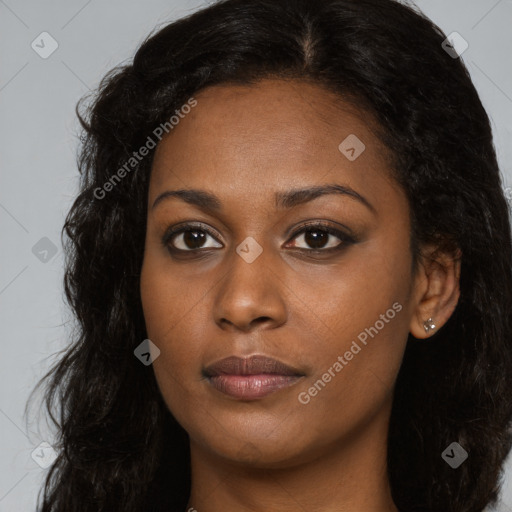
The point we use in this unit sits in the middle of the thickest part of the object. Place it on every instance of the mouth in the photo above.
(251, 378)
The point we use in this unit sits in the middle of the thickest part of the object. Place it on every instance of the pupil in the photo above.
(316, 239)
(194, 239)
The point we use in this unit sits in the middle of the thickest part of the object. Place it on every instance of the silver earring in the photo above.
(429, 325)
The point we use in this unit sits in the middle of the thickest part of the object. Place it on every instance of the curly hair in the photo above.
(119, 447)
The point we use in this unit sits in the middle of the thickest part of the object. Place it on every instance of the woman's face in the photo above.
(254, 276)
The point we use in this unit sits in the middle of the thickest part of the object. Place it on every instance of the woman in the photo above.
(290, 261)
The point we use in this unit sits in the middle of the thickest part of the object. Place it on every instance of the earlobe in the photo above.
(437, 293)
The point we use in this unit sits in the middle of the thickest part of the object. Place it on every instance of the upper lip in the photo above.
(253, 365)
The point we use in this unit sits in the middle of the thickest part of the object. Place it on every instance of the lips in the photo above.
(254, 365)
(250, 378)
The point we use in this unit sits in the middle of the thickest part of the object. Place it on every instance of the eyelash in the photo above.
(345, 239)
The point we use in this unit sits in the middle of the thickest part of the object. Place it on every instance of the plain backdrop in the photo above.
(38, 143)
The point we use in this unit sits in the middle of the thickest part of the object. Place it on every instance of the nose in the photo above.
(250, 295)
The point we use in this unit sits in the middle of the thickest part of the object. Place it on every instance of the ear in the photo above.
(436, 290)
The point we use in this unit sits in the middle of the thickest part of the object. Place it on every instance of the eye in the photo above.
(190, 238)
(320, 237)
(313, 237)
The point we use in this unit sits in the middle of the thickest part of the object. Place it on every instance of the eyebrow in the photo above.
(208, 201)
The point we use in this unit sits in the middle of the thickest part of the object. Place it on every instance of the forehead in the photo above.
(249, 141)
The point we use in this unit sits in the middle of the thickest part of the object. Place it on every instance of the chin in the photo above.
(259, 454)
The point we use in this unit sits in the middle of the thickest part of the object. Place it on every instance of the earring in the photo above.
(429, 324)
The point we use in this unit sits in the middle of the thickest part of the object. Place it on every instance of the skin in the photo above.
(244, 144)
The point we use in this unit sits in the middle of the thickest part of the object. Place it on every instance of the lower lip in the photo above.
(251, 387)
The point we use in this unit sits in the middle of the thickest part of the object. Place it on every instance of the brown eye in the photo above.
(190, 239)
(319, 238)
(316, 239)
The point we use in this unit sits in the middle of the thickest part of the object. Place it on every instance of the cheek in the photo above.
(355, 362)
(344, 299)
(358, 344)
(168, 299)
(360, 334)
(175, 317)
(165, 309)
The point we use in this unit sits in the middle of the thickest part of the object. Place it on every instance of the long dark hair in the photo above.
(119, 447)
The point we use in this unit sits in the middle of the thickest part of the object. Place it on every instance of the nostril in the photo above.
(248, 327)
(261, 320)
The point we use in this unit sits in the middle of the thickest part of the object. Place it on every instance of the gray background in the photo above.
(39, 178)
